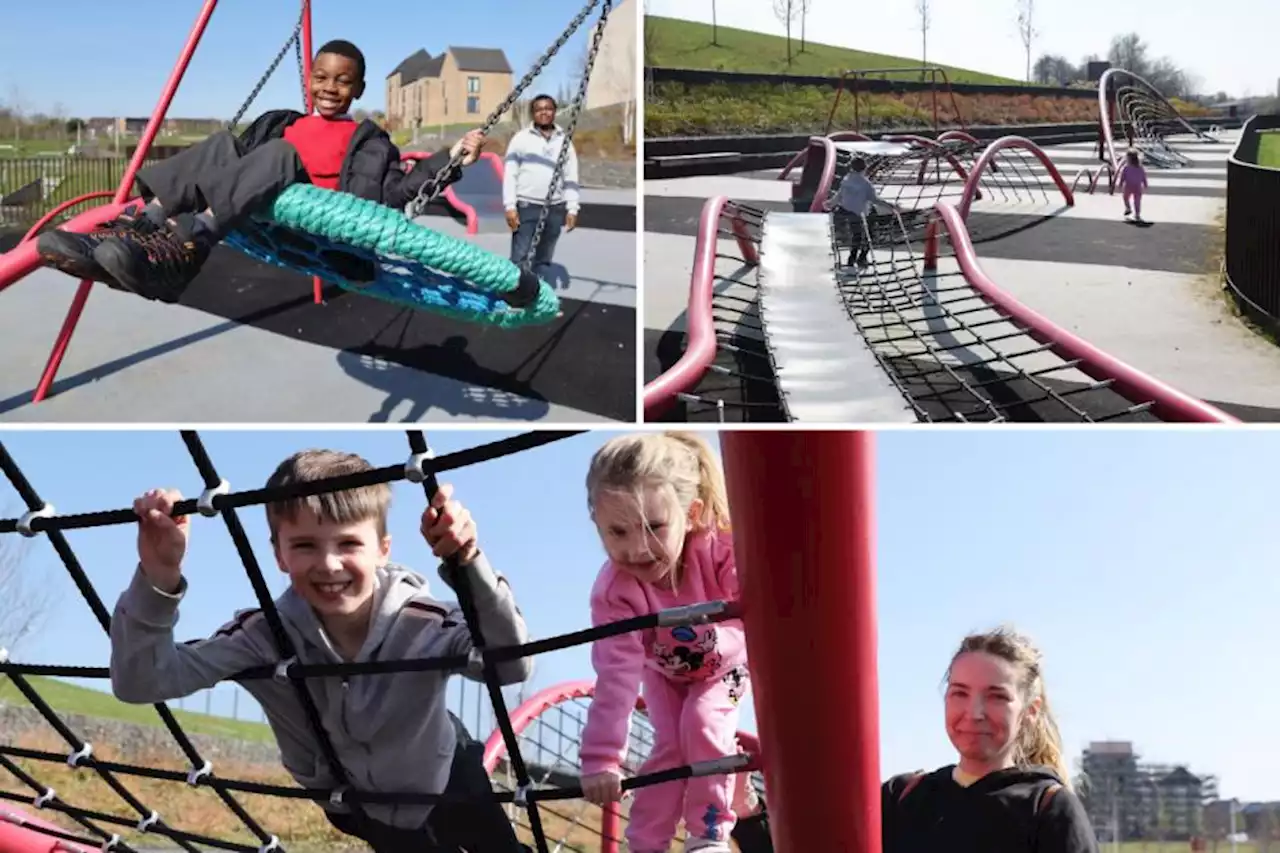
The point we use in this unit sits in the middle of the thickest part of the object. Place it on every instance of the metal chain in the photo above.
(431, 190)
(295, 38)
(579, 102)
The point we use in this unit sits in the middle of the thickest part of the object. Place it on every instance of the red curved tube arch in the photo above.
(660, 394)
(935, 145)
(17, 836)
(802, 155)
(947, 135)
(468, 211)
(975, 177)
(1170, 404)
(1104, 111)
(522, 716)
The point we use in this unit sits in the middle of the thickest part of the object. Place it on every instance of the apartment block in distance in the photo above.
(1128, 800)
(460, 86)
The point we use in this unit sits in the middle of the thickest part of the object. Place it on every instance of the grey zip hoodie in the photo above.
(391, 732)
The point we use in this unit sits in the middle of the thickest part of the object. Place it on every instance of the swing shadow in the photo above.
(102, 371)
(469, 389)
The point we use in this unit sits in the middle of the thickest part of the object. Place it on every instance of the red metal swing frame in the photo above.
(24, 259)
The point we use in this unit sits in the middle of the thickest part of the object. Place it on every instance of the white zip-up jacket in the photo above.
(530, 162)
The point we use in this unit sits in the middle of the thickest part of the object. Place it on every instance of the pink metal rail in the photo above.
(1169, 404)
(971, 187)
(660, 394)
(468, 211)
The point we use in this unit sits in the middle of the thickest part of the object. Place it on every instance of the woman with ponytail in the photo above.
(1010, 789)
(658, 502)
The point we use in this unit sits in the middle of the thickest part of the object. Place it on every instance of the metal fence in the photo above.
(1252, 265)
(31, 187)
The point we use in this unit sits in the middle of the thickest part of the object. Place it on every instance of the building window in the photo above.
(473, 105)
(473, 85)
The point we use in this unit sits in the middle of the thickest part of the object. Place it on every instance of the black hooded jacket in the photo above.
(1003, 812)
(371, 168)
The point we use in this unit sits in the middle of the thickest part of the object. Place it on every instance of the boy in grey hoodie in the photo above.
(346, 603)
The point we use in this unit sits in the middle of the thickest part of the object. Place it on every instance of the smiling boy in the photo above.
(197, 197)
(345, 603)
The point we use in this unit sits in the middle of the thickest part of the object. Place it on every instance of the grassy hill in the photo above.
(67, 698)
(672, 43)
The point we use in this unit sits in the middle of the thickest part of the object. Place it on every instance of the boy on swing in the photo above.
(198, 196)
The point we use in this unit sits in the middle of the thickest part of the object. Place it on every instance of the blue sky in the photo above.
(1142, 563)
(1227, 44)
(97, 60)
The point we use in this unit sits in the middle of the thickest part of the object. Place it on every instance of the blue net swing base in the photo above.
(375, 251)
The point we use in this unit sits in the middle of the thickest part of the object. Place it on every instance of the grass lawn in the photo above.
(70, 699)
(671, 43)
(1269, 150)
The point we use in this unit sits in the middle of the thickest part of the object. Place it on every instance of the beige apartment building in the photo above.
(613, 78)
(461, 85)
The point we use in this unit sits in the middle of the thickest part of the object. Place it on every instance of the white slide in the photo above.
(825, 371)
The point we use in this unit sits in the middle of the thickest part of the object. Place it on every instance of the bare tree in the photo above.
(17, 108)
(27, 598)
(786, 11)
(1026, 29)
(922, 9)
(804, 5)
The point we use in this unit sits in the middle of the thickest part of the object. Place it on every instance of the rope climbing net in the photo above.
(101, 829)
(1148, 119)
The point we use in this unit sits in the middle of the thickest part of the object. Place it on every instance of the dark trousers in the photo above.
(219, 174)
(855, 229)
(752, 834)
(522, 238)
(477, 827)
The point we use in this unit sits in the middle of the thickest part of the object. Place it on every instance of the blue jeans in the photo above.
(523, 236)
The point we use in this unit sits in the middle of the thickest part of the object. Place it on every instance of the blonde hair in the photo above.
(680, 464)
(348, 506)
(1039, 742)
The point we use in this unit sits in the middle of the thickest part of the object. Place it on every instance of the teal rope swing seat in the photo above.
(376, 251)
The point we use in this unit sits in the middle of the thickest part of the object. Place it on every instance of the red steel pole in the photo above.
(122, 192)
(803, 532)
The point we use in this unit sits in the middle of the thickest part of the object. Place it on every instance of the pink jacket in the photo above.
(683, 654)
(1131, 177)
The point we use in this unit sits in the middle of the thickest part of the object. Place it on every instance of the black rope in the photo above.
(63, 548)
(710, 767)
(284, 646)
(710, 612)
(254, 497)
(48, 795)
(461, 584)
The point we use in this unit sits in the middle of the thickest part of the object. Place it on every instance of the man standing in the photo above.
(530, 164)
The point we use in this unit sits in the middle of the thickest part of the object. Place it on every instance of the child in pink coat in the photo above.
(659, 504)
(1132, 180)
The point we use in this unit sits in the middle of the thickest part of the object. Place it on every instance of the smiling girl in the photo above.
(1010, 789)
(658, 501)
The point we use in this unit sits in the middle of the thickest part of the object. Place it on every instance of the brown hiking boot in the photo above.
(72, 253)
(158, 265)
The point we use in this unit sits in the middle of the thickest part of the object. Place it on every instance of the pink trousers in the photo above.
(1133, 200)
(691, 722)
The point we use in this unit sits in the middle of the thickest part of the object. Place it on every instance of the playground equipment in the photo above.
(898, 340)
(784, 584)
(1149, 119)
(355, 243)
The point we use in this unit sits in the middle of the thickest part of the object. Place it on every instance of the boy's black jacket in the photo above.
(371, 168)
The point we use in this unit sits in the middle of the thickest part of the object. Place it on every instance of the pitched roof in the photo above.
(417, 66)
(482, 59)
